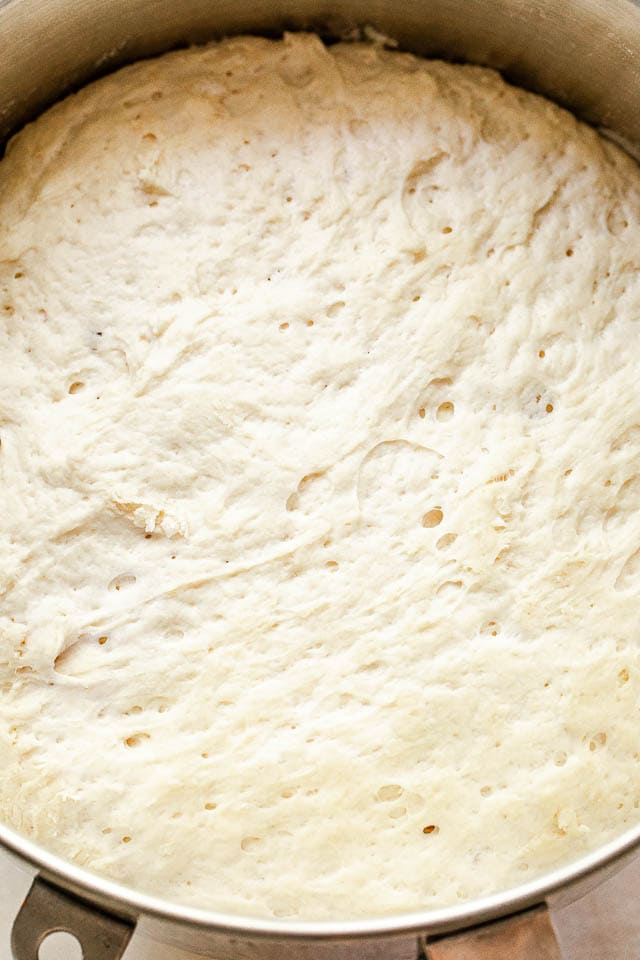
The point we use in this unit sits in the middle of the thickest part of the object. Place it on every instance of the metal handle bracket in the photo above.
(46, 909)
(525, 936)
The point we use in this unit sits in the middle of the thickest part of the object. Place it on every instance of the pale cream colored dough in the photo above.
(320, 472)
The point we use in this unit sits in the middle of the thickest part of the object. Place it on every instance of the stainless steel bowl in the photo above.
(583, 53)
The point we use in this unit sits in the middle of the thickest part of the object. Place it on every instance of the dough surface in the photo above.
(320, 469)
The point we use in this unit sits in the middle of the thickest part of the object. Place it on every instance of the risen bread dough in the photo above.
(320, 468)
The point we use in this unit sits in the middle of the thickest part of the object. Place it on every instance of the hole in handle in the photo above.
(60, 946)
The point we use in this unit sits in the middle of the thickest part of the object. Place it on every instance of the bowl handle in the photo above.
(524, 936)
(46, 909)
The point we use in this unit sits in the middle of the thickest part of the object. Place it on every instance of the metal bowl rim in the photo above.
(125, 901)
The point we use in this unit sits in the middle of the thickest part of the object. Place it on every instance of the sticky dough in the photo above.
(320, 472)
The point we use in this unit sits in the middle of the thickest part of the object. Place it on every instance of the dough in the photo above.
(320, 463)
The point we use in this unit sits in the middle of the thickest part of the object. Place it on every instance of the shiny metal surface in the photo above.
(583, 53)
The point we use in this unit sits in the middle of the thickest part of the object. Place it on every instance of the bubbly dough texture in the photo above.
(320, 470)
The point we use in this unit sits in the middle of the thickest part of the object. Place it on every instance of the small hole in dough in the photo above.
(446, 540)
(445, 411)
(250, 843)
(122, 582)
(136, 739)
(432, 518)
(334, 309)
(390, 791)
